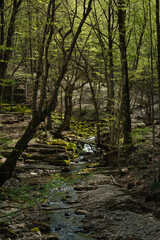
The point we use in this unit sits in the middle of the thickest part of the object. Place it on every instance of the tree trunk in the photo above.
(2, 25)
(68, 104)
(95, 107)
(80, 102)
(6, 170)
(68, 111)
(5, 54)
(152, 95)
(49, 122)
(158, 62)
(110, 44)
(111, 76)
(124, 72)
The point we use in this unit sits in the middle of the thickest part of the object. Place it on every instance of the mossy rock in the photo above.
(55, 162)
(46, 158)
(60, 143)
(43, 227)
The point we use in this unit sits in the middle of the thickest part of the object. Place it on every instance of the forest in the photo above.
(79, 119)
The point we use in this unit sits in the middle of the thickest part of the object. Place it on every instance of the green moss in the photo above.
(67, 162)
(5, 143)
(59, 162)
(72, 146)
(139, 134)
(12, 232)
(15, 108)
(84, 129)
(56, 119)
(36, 229)
(68, 146)
(58, 142)
(27, 155)
(92, 165)
(21, 158)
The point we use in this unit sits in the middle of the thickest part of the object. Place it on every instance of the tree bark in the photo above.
(124, 74)
(5, 54)
(111, 76)
(68, 110)
(110, 44)
(95, 104)
(6, 170)
(2, 25)
(152, 93)
(158, 60)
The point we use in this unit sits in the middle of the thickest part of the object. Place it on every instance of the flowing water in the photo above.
(64, 221)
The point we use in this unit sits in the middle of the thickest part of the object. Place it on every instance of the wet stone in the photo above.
(81, 212)
(52, 237)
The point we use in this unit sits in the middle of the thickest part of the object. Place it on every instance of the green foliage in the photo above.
(6, 82)
(15, 108)
(4, 142)
(29, 195)
(139, 134)
(3, 47)
(84, 129)
(56, 119)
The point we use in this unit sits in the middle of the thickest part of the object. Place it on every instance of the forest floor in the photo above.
(113, 206)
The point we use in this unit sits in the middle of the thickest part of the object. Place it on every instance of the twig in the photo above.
(115, 183)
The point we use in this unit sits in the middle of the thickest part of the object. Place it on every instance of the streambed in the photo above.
(65, 222)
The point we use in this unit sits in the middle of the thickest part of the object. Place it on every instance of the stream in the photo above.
(66, 224)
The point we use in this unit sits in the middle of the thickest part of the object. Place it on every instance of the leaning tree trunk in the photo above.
(6, 170)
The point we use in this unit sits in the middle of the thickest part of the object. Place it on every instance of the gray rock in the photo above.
(81, 212)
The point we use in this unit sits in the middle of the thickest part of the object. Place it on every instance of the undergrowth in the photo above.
(29, 195)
